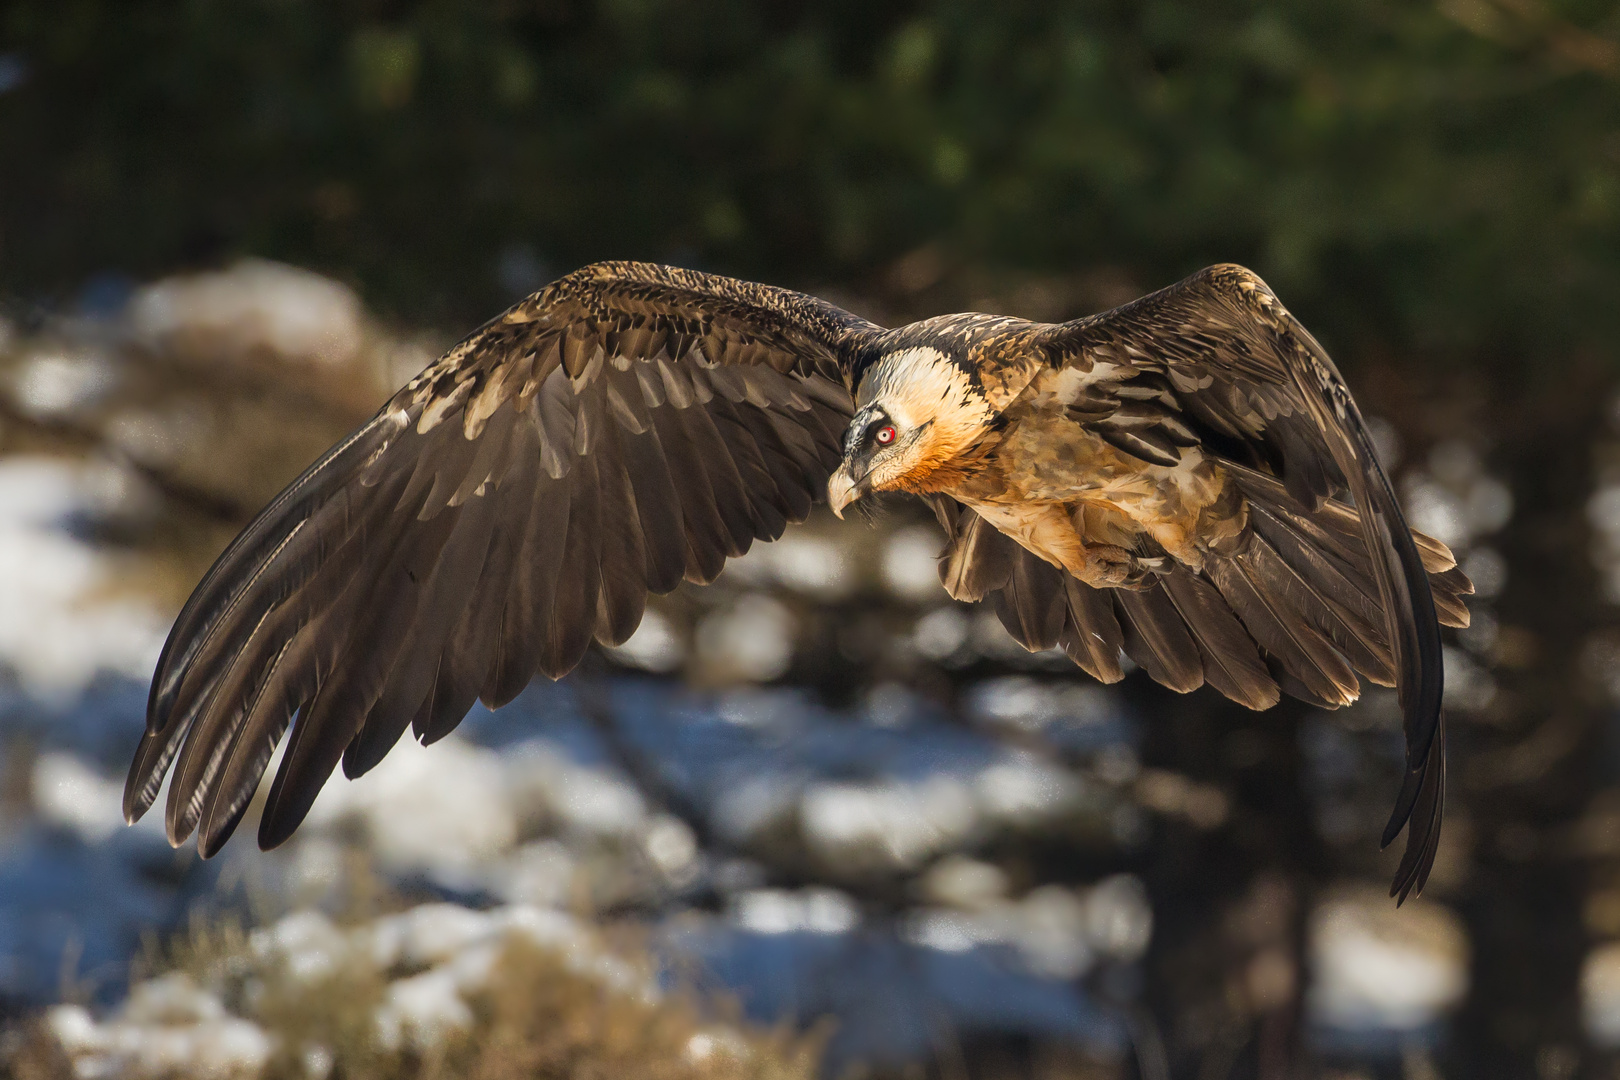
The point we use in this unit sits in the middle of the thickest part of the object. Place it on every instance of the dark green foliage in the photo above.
(1441, 176)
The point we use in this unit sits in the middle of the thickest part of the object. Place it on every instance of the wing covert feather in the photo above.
(627, 426)
(1270, 400)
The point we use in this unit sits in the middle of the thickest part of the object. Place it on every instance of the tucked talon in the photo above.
(1108, 567)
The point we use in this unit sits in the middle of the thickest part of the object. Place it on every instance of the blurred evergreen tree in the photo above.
(1441, 176)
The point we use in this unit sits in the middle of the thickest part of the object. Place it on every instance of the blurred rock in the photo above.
(911, 563)
(886, 823)
(779, 911)
(749, 641)
(672, 847)
(1119, 918)
(961, 882)
(1378, 969)
(167, 1027)
(802, 561)
(443, 811)
(422, 1010)
(64, 620)
(890, 998)
(254, 308)
(655, 646)
(1600, 995)
(1023, 790)
(306, 944)
(583, 798)
(942, 635)
(544, 873)
(53, 384)
(1056, 932)
(70, 793)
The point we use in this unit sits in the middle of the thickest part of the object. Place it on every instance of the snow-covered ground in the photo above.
(814, 861)
(528, 806)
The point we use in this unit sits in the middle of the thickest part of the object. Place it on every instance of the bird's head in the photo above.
(916, 412)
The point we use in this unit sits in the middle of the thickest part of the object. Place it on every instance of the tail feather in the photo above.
(1091, 635)
(1156, 638)
(1299, 605)
(1449, 608)
(978, 559)
(1401, 563)
(1437, 557)
(1032, 606)
(1258, 594)
(1361, 644)
(1424, 839)
(1232, 664)
(1338, 583)
(1328, 547)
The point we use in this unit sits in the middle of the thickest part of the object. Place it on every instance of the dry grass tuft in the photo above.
(30, 1053)
(539, 1014)
(538, 1019)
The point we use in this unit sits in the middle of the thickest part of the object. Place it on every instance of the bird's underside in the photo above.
(1184, 480)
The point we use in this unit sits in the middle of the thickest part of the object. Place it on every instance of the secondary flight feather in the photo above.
(1185, 479)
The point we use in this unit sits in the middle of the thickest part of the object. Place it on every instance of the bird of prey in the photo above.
(1184, 479)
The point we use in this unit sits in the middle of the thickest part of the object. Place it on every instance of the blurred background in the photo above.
(816, 819)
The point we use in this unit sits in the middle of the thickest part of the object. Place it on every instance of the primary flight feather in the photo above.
(1185, 478)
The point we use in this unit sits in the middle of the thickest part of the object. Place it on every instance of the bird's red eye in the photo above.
(886, 435)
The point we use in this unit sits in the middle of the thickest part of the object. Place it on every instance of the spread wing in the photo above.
(1218, 363)
(627, 427)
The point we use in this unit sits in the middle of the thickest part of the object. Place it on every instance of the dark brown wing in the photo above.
(627, 427)
(1216, 361)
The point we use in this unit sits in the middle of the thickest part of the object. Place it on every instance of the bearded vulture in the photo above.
(1185, 480)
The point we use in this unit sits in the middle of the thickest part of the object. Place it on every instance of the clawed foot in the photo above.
(1109, 567)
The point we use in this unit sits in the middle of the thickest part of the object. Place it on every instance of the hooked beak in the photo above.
(843, 489)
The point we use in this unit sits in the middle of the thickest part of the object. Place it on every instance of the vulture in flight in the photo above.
(1184, 479)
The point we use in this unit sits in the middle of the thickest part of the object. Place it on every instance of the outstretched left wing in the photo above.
(628, 426)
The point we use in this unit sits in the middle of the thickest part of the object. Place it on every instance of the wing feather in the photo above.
(1157, 638)
(1270, 400)
(708, 541)
(658, 509)
(786, 473)
(1031, 605)
(350, 671)
(627, 426)
(1091, 636)
(456, 590)
(509, 560)
(571, 622)
(1232, 663)
(978, 559)
(623, 552)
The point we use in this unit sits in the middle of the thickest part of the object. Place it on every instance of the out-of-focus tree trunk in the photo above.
(1525, 778)
(1230, 891)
